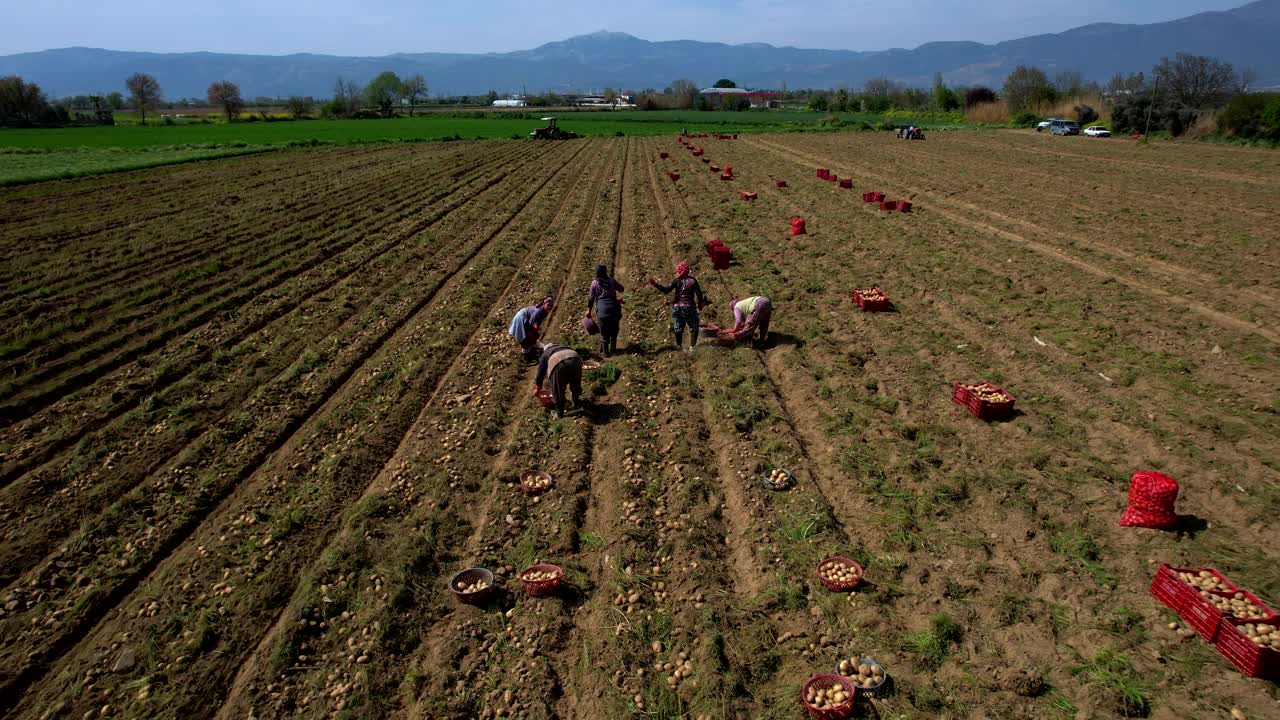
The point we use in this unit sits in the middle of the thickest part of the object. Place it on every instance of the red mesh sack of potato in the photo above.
(1151, 500)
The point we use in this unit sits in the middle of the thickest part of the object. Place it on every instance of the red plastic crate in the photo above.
(726, 176)
(846, 184)
(715, 168)
(984, 409)
(1185, 600)
(674, 176)
(663, 155)
(711, 245)
(833, 178)
(706, 160)
(720, 257)
(872, 196)
(904, 206)
(1250, 659)
(747, 195)
(867, 305)
(822, 173)
(781, 183)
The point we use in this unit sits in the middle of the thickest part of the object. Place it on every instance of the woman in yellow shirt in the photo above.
(751, 316)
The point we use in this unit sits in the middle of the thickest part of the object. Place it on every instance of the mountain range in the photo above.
(1247, 37)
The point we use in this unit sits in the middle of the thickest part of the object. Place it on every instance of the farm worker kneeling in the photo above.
(750, 316)
(685, 304)
(604, 297)
(563, 368)
(526, 327)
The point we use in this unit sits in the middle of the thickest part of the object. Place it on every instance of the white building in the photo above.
(513, 101)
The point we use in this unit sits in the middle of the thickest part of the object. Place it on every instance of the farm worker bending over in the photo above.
(563, 366)
(686, 303)
(526, 327)
(751, 316)
(604, 297)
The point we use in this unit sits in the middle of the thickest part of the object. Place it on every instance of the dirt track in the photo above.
(256, 412)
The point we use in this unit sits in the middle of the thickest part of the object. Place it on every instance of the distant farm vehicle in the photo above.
(551, 132)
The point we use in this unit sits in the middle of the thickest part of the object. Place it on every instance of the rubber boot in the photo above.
(693, 338)
(679, 340)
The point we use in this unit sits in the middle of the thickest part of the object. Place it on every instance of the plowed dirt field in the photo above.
(256, 412)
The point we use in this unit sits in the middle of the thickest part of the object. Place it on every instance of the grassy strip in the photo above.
(20, 168)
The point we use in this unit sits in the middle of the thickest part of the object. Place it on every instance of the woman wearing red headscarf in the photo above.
(685, 304)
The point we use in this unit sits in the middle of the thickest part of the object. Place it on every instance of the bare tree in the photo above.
(880, 87)
(226, 94)
(346, 97)
(611, 96)
(299, 106)
(1248, 77)
(414, 88)
(1068, 83)
(144, 93)
(684, 92)
(1026, 86)
(1196, 81)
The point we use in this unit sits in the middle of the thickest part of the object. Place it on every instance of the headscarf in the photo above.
(547, 301)
(602, 272)
(682, 269)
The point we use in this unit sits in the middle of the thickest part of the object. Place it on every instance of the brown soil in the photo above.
(258, 411)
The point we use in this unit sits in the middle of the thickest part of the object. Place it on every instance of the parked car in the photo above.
(1064, 127)
(1097, 131)
(1044, 125)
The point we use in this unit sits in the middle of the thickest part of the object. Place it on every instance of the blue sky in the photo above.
(381, 27)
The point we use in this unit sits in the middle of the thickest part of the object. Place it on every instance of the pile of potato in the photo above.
(540, 575)
(1262, 635)
(988, 392)
(465, 587)
(1237, 605)
(779, 477)
(536, 481)
(827, 698)
(839, 571)
(864, 675)
(1204, 580)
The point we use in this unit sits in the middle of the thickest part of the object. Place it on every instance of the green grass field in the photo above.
(28, 155)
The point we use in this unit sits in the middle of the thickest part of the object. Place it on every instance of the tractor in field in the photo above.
(551, 132)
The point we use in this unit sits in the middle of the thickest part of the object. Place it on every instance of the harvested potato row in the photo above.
(988, 392)
(1262, 634)
(1238, 605)
(477, 586)
(864, 675)
(1204, 580)
(838, 571)
(827, 698)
